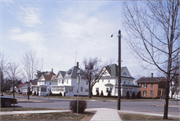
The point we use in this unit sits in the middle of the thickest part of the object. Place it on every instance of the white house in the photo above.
(67, 83)
(44, 83)
(109, 82)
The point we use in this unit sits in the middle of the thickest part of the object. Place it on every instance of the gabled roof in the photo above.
(48, 76)
(113, 70)
(21, 85)
(151, 79)
(62, 73)
(72, 72)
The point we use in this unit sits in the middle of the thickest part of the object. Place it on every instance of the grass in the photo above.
(86, 116)
(3, 109)
(137, 117)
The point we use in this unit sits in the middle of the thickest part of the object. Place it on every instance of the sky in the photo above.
(64, 32)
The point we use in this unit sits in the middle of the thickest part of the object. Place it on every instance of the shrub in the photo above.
(81, 107)
(127, 95)
(30, 92)
(133, 95)
(97, 93)
(37, 93)
(109, 94)
(34, 92)
(60, 94)
(139, 95)
(102, 93)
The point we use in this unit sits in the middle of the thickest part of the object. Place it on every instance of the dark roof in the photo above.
(21, 85)
(34, 82)
(72, 72)
(113, 70)
(151, 79)
(62, 73)
(109, 84)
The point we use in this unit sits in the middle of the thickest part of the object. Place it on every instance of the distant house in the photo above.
(23, 88)
(67, 83)
(109, 82)
(44, 83)
(152, 87)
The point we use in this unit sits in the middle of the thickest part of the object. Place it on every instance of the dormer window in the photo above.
(69, 71)
(62, 81)
(125, 73)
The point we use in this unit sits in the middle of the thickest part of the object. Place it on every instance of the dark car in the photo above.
(7, 101)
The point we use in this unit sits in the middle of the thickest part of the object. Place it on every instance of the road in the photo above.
(141, 106)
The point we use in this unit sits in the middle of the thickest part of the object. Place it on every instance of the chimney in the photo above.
(52, 70)
(77, 64)
(151, 75)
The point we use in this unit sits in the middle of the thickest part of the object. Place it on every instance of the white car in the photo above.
(177, 97)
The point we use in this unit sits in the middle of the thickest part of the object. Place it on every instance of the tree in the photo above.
(92, 71)
(175, 79)
(3, 64)
(153, 31)
(39, 73)
(139, 95)
(127, 95)
(13, 74)
(133, 95)
(30, 65)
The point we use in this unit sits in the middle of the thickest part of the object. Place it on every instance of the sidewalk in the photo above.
(104, 114)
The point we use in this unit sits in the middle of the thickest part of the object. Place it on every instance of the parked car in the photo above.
(177, 98)
(7, 101)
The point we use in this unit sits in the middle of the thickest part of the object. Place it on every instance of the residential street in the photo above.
(141, 106)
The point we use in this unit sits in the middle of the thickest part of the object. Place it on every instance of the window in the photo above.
(71, 90)
(81, 89)
(139, 84)
(102, 80)
(67, 81)
(107, 89)
(151, 93)
(86, 90)
(145, 85)
(62, 81)
(151, 85)
(59, 81)
(97, 89)
(144, 93)
(108, 80)
(86, 82)
(110, 89)
(124, 82)
(125, 73)
(43, 89)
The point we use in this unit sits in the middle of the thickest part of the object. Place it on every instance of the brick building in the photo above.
(152, 87)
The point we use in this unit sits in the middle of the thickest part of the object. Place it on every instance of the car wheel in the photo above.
(7, 103)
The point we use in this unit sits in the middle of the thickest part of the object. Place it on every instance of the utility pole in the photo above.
(119, 74)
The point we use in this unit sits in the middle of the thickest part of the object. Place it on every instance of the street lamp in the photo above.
(78, 81)
(119, 67)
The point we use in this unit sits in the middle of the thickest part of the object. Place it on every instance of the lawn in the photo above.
(25, 109)
(137, 117)
(86, 116)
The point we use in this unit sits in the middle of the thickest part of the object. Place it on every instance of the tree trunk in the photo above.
(166, 100)
(90, 91)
